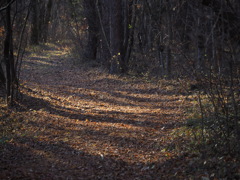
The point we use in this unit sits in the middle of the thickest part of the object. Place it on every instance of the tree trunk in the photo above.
(34, 25)
(103, 10)
(170, 39)
(93, 30)
(129, 27)
(8, 61)
(116, 35)
(47, 20)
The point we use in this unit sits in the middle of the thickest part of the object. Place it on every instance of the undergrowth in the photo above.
(211, 130)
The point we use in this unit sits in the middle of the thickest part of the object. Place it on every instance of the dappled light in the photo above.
(82, 113)
(119, 89)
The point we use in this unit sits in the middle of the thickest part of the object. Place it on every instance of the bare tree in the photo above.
(7, 63)
(90, 13)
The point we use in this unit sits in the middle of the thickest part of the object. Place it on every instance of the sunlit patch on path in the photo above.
(81, 123)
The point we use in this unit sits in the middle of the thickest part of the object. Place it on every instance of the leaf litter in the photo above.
(82, 123)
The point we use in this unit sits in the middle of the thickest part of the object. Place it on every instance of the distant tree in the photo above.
(41, 16)
(116, 22)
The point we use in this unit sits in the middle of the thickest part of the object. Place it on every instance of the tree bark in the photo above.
(35, 23)
(129, 26)
(47, 20)
(103, 11)
(170, 39)
(8, 60)
(116, 35)
(90, 13)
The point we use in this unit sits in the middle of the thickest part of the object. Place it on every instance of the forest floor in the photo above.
(78, 122)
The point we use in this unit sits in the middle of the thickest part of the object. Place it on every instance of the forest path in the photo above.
(81, 123)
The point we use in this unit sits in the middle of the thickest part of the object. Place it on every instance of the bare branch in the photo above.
(5, 7)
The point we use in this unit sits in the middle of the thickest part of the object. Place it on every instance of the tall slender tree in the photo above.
(90, 13)
(7, 64)
(35, 23)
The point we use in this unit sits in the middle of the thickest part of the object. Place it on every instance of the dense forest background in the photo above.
(195, 43)
(165, 39)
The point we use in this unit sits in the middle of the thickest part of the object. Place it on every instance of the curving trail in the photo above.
(78, 122)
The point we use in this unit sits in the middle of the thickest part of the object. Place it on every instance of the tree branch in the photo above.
(102, 28)
(3, 8)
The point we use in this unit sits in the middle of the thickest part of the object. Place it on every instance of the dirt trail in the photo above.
(80, 123)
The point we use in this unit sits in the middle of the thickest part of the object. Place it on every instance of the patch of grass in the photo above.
(208, 131)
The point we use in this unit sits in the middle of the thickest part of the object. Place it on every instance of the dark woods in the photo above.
(7, 71)
(157, 37)
(147, 37)
(15, 27)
